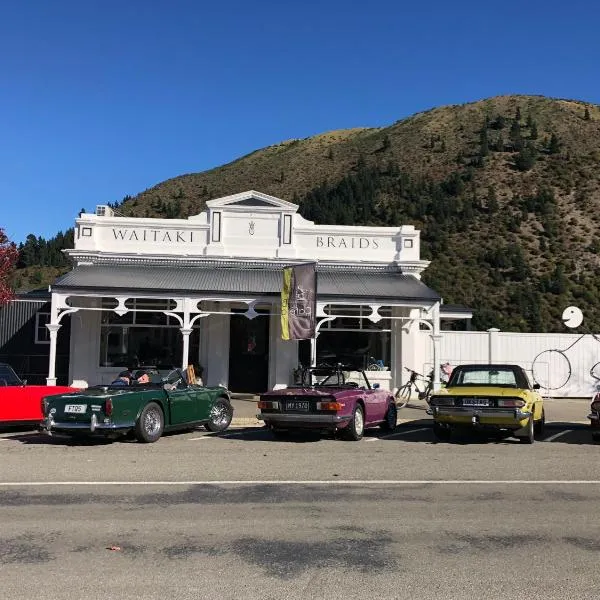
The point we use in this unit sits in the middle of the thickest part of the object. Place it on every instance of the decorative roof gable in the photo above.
(252, 199)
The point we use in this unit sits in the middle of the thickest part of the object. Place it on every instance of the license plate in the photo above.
(302, 405)
(76, 408)
(476, 402)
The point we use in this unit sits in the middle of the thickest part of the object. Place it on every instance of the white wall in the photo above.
(561, 374)
(85, 348)
(283, 354)
(214, 347)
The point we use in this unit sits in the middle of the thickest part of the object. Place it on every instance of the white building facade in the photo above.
(206, 291)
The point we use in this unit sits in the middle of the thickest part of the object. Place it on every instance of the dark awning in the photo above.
(240, 282)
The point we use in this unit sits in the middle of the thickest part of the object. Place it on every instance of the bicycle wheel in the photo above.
(424, 395)
(403, 395)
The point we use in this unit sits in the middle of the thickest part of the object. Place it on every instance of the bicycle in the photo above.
(404, 392)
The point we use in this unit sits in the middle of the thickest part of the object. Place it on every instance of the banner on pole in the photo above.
(299, 302)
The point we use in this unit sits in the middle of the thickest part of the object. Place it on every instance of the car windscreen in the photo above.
(8, 376)
(482, 376)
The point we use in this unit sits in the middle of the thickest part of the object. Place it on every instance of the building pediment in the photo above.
(251, 200)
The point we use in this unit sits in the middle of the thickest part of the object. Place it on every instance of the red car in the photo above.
(327, 401)
(21, 404)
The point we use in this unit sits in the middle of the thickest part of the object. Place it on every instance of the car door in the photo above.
(182, 405)
(375, 405)
(17, 404)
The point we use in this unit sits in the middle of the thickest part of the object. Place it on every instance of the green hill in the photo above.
(506, 192)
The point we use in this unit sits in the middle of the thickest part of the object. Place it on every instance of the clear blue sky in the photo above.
(99, 99)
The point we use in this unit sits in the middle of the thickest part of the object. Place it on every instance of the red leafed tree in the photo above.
(8, 259)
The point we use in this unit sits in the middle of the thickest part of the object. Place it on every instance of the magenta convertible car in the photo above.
(327, 401)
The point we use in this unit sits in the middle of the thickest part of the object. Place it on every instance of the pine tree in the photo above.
(586, 114)
(483, 143)
(492, 200)
(518, 114)
(526, 158)
(533, 132)
(500, 143)
(554, 144)
(515, 135)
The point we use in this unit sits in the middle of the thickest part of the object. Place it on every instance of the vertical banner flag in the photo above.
(299, 302)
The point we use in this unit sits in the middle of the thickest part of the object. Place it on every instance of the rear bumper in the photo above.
(49, 425)
(493, 417)
(300, 420)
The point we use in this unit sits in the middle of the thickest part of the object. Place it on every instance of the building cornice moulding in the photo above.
(82, 258)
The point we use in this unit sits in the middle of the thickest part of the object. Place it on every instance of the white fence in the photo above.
(560, 363)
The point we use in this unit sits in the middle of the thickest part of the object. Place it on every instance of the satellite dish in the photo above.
(572, 317)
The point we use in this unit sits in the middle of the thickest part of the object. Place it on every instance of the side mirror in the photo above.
(375, 386)
(24, 382)
(536, 386)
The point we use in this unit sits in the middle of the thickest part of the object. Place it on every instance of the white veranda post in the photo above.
(437, 340)
(185, 332)
(53, 328)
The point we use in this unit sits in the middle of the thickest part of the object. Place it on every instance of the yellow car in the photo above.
(499, 398)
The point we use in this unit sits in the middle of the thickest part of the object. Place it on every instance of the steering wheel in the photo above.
(352, 384)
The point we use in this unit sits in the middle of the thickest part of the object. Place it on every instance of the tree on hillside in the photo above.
(8, 260)
(483, 143)
(492, 200)
(533, 132)
(554, 144)
(515, 136)
(586, 114)
(526, 157)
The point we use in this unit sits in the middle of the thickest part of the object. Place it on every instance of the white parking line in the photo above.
(557, 435)
(316, 482)
(198, 439)
(397, 433)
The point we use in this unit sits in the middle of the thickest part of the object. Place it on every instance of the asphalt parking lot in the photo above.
(202, 515)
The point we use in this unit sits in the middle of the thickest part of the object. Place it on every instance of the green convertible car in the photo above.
(146, 410)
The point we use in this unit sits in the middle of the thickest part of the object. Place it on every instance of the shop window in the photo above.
(352, 338)
(42, 335)
(144, 336)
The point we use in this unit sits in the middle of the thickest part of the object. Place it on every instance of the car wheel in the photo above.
(391, 418)
(596, 436)
(220, 416)
(150, 424)
(356, 427)
(442, 433)
(529, 437)
(540, 425)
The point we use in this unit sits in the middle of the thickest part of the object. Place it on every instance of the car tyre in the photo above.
(529, 437)
(540, 426)
(391, 418)
(150, 424)
(356, 427)
(442, 433)
(596, 436)
(221, 414)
